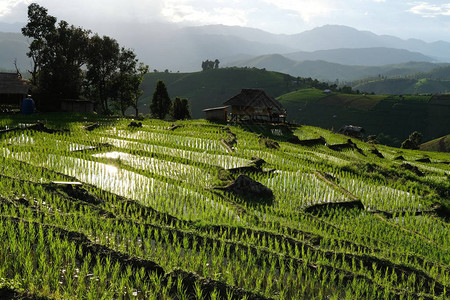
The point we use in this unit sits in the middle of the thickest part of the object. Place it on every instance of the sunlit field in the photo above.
(115, 212)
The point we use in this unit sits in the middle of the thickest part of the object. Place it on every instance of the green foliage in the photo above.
(180, 109)
(161, 103)
(69, 64)
(413, 142)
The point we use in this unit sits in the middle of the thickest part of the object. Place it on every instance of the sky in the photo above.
(426, 20)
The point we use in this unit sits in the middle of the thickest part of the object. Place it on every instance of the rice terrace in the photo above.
(92, 208)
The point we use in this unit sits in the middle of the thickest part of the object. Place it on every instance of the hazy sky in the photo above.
(427, 20)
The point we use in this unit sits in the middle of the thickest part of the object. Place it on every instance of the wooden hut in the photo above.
(13, 90)
(255, 105)
(216, 113)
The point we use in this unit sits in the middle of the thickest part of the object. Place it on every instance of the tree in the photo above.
(161, 104)
(209, 64)
(416, 138)
(180, 109)
(413, 142)
(137, 92)
(39, 27)
(69, 63)
(123, 80)
(58, 54)
(102, 64)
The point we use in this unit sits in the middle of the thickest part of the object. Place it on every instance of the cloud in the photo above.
(307, 10)
(428, 10)
(10, 7)
(202, 12)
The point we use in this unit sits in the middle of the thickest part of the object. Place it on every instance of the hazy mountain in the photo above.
(327, 71)
(336, 36)
(362, 57)
(13, 46)
(11, 27)
(167, 46)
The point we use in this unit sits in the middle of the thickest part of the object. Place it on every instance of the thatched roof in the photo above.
(254, 98)
(10, 83)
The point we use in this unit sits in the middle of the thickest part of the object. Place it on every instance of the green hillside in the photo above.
(431, 82)
(92, 208)
(441, 144)
(394, 117)
(212, 87)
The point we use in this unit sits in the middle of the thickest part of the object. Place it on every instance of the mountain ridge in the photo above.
(164, 46)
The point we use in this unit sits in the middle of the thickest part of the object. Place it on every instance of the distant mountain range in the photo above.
(331, 71)
(328, 53)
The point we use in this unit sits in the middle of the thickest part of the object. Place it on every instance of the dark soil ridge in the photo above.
(98, 148)
(322, 208)
(377, 153)
(7, 293)
(40, 127)
(310, 142)
(357, 204)
(349, 145)
(189, 279)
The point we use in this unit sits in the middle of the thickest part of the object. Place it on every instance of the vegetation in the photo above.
(180, 109)
(69, 63)
(413, 142)
(161, 103)
(434, 81)
(151, 219)
(391, 117)
(441, 144)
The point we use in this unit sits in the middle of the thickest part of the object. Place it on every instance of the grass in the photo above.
(148, 222)
(441, 144)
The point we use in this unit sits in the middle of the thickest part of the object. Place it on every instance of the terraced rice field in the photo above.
(116, 212)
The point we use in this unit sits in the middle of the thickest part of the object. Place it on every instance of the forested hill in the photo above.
(391, 117)
(433, 81)
(211, 88)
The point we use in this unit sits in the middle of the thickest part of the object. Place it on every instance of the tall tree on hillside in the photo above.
(58, 53)
(127, 81)
(102, 63)
(39, 28)
(69, 63)
(161, 104)
(122, 82)
(137, 92)
(180, 109)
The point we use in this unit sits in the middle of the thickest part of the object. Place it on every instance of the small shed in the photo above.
(216, 113)
(13, 89)
(77, 106)
(353, 131)
(255, 104)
